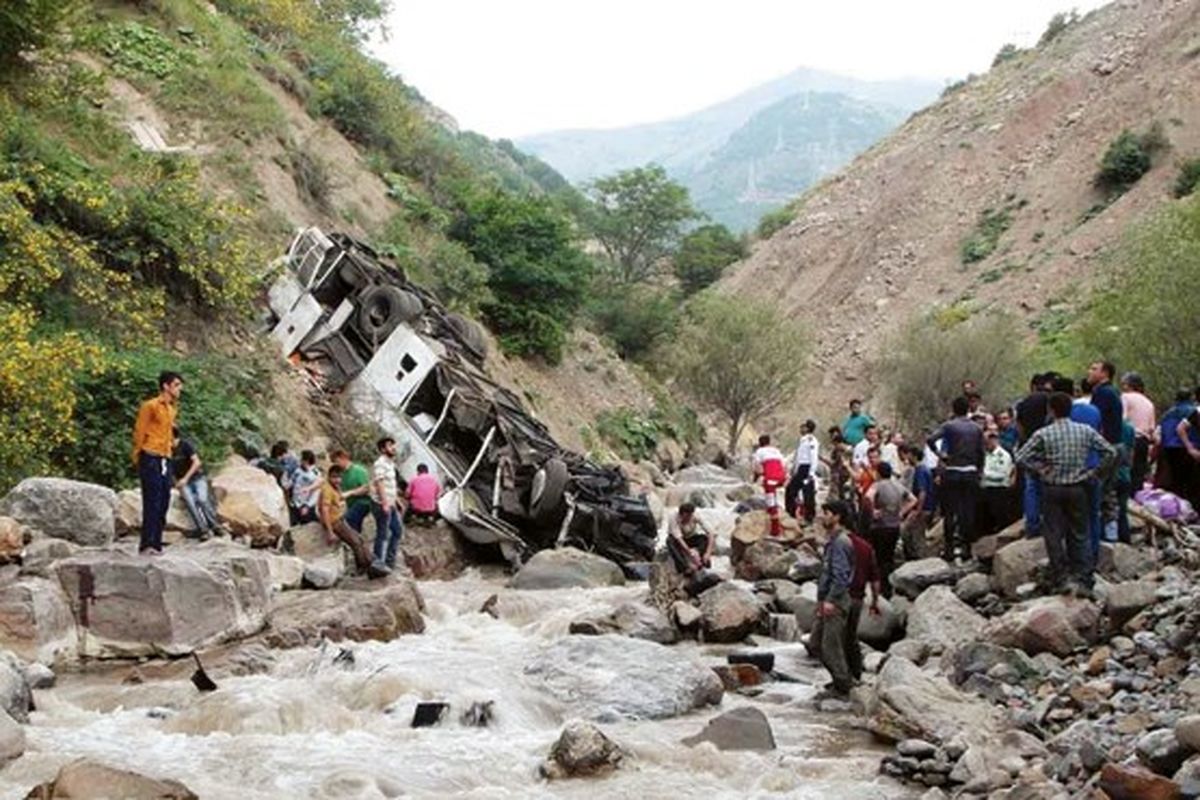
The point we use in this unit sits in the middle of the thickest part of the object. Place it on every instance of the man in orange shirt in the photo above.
(153, 440)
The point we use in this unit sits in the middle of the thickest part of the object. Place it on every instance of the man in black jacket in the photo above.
(961, 465)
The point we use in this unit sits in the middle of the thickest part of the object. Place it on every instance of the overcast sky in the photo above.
(507, 68)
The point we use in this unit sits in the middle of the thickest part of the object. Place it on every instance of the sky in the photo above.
(508, 68)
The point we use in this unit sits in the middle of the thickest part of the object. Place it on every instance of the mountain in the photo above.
(883, 241)
(686, 144)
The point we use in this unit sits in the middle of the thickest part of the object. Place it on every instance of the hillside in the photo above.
(881, 242)
(686, 145)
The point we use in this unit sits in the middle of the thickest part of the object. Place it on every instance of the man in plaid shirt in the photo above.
(1058, 454)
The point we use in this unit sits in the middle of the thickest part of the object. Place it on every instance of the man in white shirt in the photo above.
(768, 465)
(999, 502)
(386, 505)
(858, 458)
(804, 473)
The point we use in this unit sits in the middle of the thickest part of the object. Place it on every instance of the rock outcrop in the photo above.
(380, 614)
(739, 729)
(1055, 625)
(36, 621)
(567, 567)
(728, 613)
(940, 618)
(908, 703)
(89, 779)
(251, 504)
(83, 513)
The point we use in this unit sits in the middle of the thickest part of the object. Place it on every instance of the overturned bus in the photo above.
(355, 322)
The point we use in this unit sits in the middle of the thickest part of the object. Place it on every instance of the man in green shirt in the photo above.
(855, 426)
(354, 477)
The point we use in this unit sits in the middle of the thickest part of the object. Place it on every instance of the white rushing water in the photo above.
(311, 728)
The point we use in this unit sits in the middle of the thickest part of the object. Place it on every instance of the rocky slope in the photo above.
(880, 242)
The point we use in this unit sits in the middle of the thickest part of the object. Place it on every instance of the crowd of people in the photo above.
(339, 498)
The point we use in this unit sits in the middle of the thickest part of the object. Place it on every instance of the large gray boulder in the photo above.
(1123, 601)
(83, 513)
(567, 567)
(1017, 563)
(129, 513)
(128, 605)
(613, 677)
(739, 729)
(1124, 562)
(880, 630)
(908, 703)
(12, 739)
(941, 619)
(433, 551)
(379, 614)
(251, 504)
(16, 697)
(36, 621)
(771, 558)
(728, 613)
(1057, 625)
(84, 778)
(914, 577)
(637, 620)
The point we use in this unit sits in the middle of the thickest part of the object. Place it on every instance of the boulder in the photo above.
(914, 650)
(993, 763)
(251, 504)
(323, 573)
(941, 619)
(739, 729)
(567, 567)
(36, 621)
(685, 614)
(914, 577)
(1162, 751)
(1187, 731)
(972, 587)
(637, 620)
(755, 525)
(287, 572)
(12, 739)
(83, 513)
(1056, 624)
(90, 779)
(804, 606)
(1188, 777)
(1123, 562)
(980, 658)
(614, 677)
(1017, 563)
(771, 558)
(40, 676)
(985, 547)
(708, 475)
(175, 603)
(12, 540)
(880, 630)
(728, 613)
(40, 554)
(784, 594)
(379, 614)
(1124, 601)
(1127, 782)
(129, 513)
(433, 551)
(908, 703)
(582, 750)
(16, 696)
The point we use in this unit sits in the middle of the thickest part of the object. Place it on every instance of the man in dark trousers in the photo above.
(833, 594)
(153, 441)
(1033, 411)
(961, 464)
(803, 481)
(1058, 453)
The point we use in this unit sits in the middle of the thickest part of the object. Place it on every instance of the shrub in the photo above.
(1006, 53)
(1129, 157)
(774, 221)
(1188, 179)
(636, 319)
(311, 176)
(635, 435)
(986, 237)
(30, 25)
(1057, 26)
(134, 48)
(458, 280)
(703, 256)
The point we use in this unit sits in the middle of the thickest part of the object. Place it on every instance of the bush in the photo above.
(703, 256)
(134, 48)
(311, 176)
(1006, 53)
(635, 435)
(986, 237)
(635, 319)
(933, 355)
(774, 221)
(30, 25)
(1188, 179)
(1129, 157)
(1057, 26)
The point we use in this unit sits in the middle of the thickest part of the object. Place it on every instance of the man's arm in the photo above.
(932, 440)
(1030, 454)
(139, 431)
(1183, 429)
(1108, 453)
(193, 468)
(324, 513)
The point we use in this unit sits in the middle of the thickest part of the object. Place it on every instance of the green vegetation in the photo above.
(137, 49)
(1188, 179)
(635, 435)
(1129, 157)
(703, 256)
(773, 222)
(635, 319)
(986, 237)
(1006, 53)
(27, 25)
(725, 359)
(1057, 26)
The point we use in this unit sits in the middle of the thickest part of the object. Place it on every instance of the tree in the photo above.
(537, 276)
(638, 216)
(30, 25)
(636, 319)
(739, 357)
(932, 355)
(704, 254)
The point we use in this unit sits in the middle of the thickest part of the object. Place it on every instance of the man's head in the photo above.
(809, 426)
(885, 470)
(969, 388)
(835, 435)
(855, 406)
(973, 401)
(1062, 383)
(386, 446)
(873, 456)
(279, 449)
(1183, 396)
(308, 458)
(960, 406)
(1037, 381)
(1004, 419)
(170, 385)
(871, 434)
(422, 469)
(1060, 405)
(686, 510)
(764, 440)
(341, 458)
(897, 438)
(1049, 381)
(911, 454)
(835, 514)
(991, 440)
(1101, 372)
(1132, 382)
(335, 475)
(1085, 387)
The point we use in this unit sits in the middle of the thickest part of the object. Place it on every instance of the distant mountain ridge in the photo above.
(686, 146)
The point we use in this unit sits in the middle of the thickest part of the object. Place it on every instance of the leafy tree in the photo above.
(638, 219)
(30, 25)
(537, 276)
(739, 357)
(704, 254)
(636, 319)
(1057, 26)
(932, 355)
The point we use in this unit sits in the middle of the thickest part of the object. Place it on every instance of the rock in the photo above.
(707, 475)
(129, 513)
(309, 544)
(1123, 601)
(907, 703)
(1122, 562)
(36, 621)
(880, 630)
(1017, 563)
(1187, 731)
(910, 649)
(981, 658)
(914, 577)
(739, 729)
(784, 594)
(1162, 751)
(582, 750)
(772, 559)
(728, 613)
(324, 573)
(83, 513)
(972, 587)
(287, 572)
(686, 615)
(174, 604)
(986, 547)
(738, 676)
(613, 677)
(12, 540)
(566, 567)
(12, 739)
(39, 676)
(992, 763)
(804, 606)
(636, 620)
(1124, 782)
(1188, 778)
(90, 779)
(1055, 625)
(40, 554)
(433, 552)
(667, 584)
(916, 748)
(940, 618)
(305, 617)
(753, 526)
(16, 697)
(251, 504)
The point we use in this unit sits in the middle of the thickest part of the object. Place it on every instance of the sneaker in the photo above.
(378, 570)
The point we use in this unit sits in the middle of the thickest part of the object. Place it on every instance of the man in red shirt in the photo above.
(768, 465)
(422, 494)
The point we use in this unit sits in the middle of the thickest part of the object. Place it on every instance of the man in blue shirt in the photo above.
(915, 526)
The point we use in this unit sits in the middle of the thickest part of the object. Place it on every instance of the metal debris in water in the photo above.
(479, 715)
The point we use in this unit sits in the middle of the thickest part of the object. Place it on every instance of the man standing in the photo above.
(306, 489)
(769, 466)
(804, 473)
(1083, 412)
(914, 526)
(961, 463)
(999, 476)
(1106, 398)
(888, 503)
(1139, 411)
(1058, 453)
(855, 426)
(152, 445)
(870, 438)
(192, 484)
(1032, 413)
(386, 504)
(356, 482)
(833, 594)
(1007, 432)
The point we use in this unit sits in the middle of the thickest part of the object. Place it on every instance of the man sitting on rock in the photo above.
(689, 541)
(331, 508)
(833, 595)
(193, 487)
